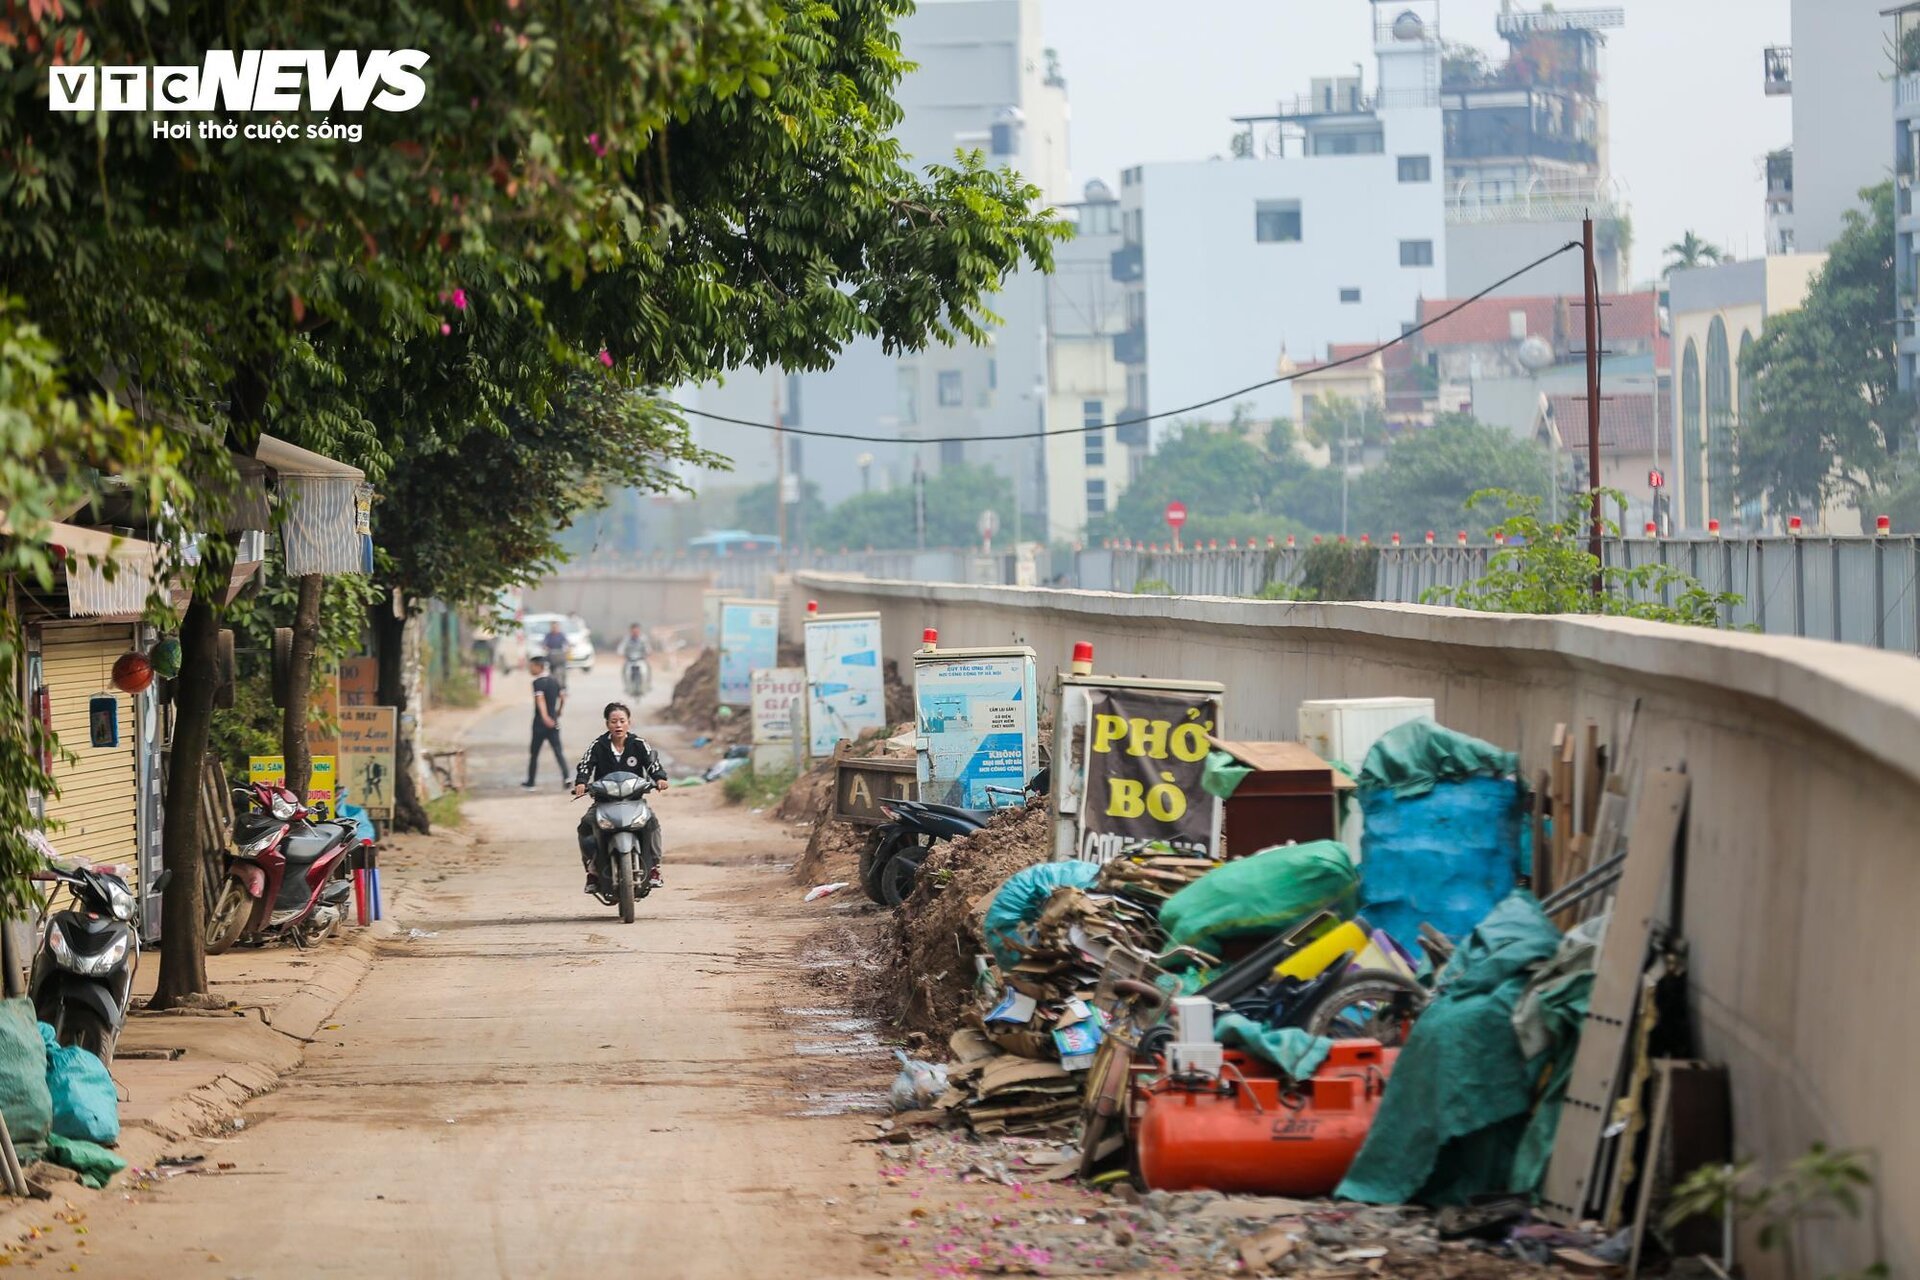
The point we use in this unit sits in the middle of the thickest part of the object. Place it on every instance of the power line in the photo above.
(1151, 417)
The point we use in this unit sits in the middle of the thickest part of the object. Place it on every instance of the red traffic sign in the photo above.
(1656, 479)
(1176, 514)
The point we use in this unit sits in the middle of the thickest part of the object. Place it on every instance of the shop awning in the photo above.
(109, 575)
(318, 507)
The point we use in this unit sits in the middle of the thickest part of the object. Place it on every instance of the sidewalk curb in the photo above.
(213, 1106)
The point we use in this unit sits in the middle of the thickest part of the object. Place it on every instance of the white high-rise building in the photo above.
(1328, 225)
(982, 82)
(1088, 470)
(1843, 89)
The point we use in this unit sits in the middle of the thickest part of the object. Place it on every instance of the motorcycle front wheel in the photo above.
(230, 913)
(623, 885)
(80, 1027)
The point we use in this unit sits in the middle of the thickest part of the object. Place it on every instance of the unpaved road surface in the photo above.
(526, 1087)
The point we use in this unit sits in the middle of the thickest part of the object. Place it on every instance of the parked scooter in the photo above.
(620, 857)
(289, 876)
(891, 862)
(83, 973)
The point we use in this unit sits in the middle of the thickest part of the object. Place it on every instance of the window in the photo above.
(993, 374)
(1093, 417)
(1416, 169)
(1096, 497)
(1136, 308)
(1692, 491)
(1720, 472)
(1349, 295)
(1349, 144)
(1276, 221)
(951, 393)
(1416, 253)
(909, 394)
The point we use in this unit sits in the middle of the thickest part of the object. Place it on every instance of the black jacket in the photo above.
(599, 761)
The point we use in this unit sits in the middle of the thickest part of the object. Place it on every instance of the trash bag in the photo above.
(24, 1099)
(85, 1103)
(1444, 857)
(93, 1162)
(1222, 775)
(918, 1085)
(1410, 758)
(1018, 902)
(1462, 1094)
(1262, 895)
(1297, 1053)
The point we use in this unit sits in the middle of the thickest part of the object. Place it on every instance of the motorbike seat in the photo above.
(313, 843)
(981, 816)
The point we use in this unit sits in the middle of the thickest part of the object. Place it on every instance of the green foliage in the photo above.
(955, 499)
(1689, 252)
(1829, 421)
(1430, 475)
(1285, 591)
(251, 727)
(757, 509)
(1336, 423)
(57, 455)
(1547, 568)
(1153, 587)
(446, 810)
(1815, 1186)
(1340, 571)
(459, 688)
(757, 790)
(1228, 482)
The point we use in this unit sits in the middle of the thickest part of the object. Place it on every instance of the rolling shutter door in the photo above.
(99, 797)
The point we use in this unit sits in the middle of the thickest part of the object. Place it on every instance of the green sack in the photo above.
(1263, 895)
(24, 1098)
(1222, 775)
(1410, 758)
(1295, 1052)
(93, 1162)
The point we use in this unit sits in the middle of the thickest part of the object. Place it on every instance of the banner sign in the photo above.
(749, 638)
(320, 783)
(710, 618)
(977, 724)
(366, 757)
(777, 691)
(846, 682)
(1145, 754)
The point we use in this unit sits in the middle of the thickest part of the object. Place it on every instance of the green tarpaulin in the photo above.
(1262, 895)
(1409, 759)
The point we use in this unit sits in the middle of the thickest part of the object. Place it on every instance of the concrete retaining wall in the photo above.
(1803, 862)
(611, 602)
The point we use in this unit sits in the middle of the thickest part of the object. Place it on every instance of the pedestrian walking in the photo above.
(549, 699)
(483, 662)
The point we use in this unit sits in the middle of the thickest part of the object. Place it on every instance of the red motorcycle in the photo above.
(289, 878)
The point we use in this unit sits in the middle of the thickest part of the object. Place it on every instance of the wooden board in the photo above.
(1652, 833)
(859, 787)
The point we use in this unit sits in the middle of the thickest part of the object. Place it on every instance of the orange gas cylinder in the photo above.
(1255, 1134)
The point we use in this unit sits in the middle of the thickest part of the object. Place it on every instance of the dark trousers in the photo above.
(544, 736)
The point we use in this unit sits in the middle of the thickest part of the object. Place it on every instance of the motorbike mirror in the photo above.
(161, 881)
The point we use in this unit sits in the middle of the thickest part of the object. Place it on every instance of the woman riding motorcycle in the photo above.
(617, 751)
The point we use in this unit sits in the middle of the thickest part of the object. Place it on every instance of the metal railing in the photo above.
(1862, 591)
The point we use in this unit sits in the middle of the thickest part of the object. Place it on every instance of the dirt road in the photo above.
(526, 1087)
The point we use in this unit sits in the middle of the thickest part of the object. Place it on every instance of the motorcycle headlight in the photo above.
(120, 901)
(284, 808)
(606, 824)
(91, 966)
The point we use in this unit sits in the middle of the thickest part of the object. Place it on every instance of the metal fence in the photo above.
(1854, 590)
(754, 573)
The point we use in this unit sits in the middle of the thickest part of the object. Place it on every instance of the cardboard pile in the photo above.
(1001, 1095)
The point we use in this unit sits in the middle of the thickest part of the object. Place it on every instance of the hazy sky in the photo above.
(1149, 80)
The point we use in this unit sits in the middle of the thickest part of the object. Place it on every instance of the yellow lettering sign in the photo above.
(1107, 730)
(1125, 798)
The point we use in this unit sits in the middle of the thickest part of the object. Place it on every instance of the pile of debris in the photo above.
(1002, 1095)
(936, 932)
(834, 847)
(695, 703)
(1061, 959)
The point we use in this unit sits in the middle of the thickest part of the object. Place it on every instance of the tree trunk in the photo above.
(389, 638)
(293, 720)
(183, 961)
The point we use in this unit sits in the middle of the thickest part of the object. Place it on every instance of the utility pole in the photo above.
(779, 469)
(1595, 545)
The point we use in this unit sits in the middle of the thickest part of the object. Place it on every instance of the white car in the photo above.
(534, 628)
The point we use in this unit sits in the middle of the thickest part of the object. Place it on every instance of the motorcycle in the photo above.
(289, 877)
(619, 855)
(83, 972)
(638, 676)
(889, 865)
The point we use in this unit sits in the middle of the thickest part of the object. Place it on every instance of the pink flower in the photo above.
(605, 358)
(445, 329)
(459, 299)
(593, 141)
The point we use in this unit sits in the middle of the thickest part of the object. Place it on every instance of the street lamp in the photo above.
(866, 472)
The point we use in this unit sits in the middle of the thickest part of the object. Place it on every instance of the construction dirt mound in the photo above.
(899, 695)
(936, 932)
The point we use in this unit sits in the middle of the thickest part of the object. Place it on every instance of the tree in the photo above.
(1215, 470)
(756, 510)
(1827, 420)
(627, 192)
(955, 497)
(1689, 252)
(1430, 476)
(1336, 422)
(1546, 568)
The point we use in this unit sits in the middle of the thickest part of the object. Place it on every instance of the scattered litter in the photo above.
(820, 891)
(918, 1085)
(414, 935)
